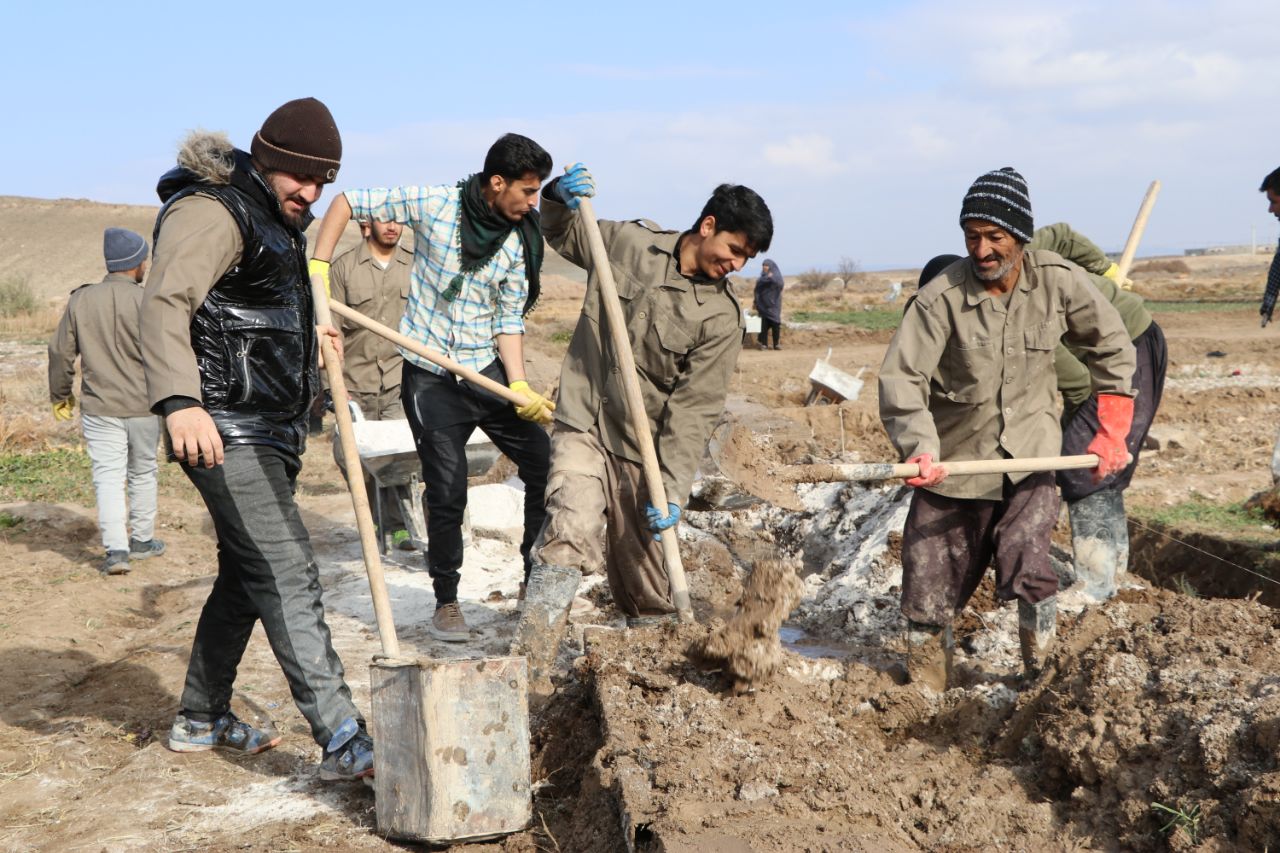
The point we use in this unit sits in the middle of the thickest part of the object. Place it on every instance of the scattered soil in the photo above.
(1156, 725)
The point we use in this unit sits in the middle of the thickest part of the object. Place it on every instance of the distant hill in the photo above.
(56, 244)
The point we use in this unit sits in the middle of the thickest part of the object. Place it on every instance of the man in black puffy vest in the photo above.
(230, 354)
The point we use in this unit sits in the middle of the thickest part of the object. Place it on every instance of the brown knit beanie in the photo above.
(300, 137)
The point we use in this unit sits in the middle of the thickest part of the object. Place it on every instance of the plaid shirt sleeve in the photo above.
(512, 291)
(1273, 289)
(394, 204)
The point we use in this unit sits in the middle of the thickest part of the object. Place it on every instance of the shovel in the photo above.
(890, 470)
(635, 406)
(451, 737)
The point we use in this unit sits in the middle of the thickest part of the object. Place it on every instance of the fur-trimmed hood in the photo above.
(208, 155)
(209, 159)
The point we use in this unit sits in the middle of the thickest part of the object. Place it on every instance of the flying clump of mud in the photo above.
(747, 645)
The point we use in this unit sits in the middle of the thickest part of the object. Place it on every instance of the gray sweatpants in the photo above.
(266, 570)
(122, 452)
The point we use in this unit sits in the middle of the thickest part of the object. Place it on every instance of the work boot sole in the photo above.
(185, 746)
(117, 569)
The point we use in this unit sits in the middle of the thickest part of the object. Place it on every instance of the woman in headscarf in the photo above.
(768, 303)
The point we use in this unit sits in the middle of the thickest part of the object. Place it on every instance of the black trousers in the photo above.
(266, 571)
(443, 411)
(767, 326)
(1079, 427)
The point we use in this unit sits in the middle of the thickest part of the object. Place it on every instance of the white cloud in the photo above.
(811, 152)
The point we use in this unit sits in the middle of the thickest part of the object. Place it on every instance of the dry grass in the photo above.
(35, 325)
(1167, 266)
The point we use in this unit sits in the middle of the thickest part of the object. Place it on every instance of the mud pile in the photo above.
(1164, 704)
(1155, 705)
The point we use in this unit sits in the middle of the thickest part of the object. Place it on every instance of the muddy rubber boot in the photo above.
(930, 649)
(547, 598)
(1037, 627)
(1099, 542)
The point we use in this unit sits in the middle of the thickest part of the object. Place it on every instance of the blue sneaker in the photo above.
(227, 732)
(139, 550)
(349, 754)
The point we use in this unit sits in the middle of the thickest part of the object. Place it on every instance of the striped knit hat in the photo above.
(1001, 198)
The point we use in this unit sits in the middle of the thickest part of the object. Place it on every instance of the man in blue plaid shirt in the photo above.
(477, 258)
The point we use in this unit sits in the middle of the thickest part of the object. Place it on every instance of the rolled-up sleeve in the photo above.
(405, 205)
(508, 315)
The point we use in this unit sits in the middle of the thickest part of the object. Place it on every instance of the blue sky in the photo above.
(861, 124)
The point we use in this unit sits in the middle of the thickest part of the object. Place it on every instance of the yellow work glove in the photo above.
(315, 266)
(65, 410)
(1124, 283)
(538, 409)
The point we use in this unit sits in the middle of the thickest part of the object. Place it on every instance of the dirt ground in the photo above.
(1156, 725)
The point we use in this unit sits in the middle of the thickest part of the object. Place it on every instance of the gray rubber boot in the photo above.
(1037, 627)
(547, 598)
(1099, 542)
(930, 649)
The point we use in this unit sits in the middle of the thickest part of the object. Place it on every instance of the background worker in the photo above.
(685, 328)
(230, 351)
(767, 301)
(100, 326)
(1271, 188)
(969, 375)
(373, 278)
(477, 263)
(1099, 530)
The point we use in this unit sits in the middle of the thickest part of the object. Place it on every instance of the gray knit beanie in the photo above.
(1001, 198)
(122, 249)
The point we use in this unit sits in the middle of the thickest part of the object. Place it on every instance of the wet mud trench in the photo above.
(1155, 726)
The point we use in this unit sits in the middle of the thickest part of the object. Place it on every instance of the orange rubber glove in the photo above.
(930, 474)
(1115, 416)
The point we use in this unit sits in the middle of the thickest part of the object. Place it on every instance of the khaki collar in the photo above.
(401, 254)
(975, 290)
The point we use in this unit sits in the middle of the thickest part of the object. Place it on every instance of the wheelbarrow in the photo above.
(389, 457)
(831, 385)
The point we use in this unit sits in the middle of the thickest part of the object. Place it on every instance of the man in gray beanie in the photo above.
(230, 353)
(100, 326)
(969, 375)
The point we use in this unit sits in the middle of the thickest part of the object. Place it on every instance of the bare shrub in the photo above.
(16, 296)
(1172, 266)
(813, 279)
(851, 271)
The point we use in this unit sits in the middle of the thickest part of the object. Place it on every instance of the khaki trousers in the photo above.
(595, 519)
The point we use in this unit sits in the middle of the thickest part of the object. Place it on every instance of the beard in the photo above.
(997, 273)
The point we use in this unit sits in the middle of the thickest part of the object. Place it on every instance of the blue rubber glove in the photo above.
(659, 522)
(575, 184)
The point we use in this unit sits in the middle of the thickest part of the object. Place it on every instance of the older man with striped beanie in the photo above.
(969, 375)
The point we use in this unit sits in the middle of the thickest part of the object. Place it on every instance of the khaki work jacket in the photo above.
(685, 332)
(370, 363)
(967, 377)
(101, 326)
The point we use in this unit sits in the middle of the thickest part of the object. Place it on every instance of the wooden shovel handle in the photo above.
(355, 478)
(890, 471)
(472, 376)
(635, 405)
(1135, 233)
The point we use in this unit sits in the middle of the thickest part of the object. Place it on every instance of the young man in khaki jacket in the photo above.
(100, 326)
(373, 278)
(685, 328)
(970, 375)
